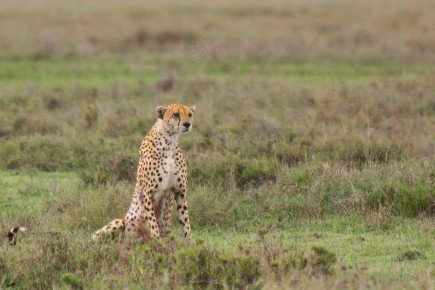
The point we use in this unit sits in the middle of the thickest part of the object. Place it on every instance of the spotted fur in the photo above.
(161, 178)
(12, 233)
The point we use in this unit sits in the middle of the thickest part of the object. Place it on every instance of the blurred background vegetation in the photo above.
(306, 110)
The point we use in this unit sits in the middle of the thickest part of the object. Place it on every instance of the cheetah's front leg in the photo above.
(183, 214)
(164, 214)
(150, 215)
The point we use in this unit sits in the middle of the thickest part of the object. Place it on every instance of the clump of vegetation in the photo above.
(71, 279)
(411, 255)
(197, 264)
(91, 116)
(110, 169)
(382, 219)
(237, 171)
(405, 198)
(322, 260)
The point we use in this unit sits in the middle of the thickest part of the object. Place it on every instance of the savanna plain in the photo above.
(310, 163)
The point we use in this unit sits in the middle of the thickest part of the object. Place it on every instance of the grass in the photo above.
(311, 163)
(379, 246)
(103, 70)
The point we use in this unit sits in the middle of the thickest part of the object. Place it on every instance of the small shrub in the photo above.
(359, 152)
(410, 256)
(100, 162)
(51, 102)
(382, 219)
(201, 264)
(123, 166)
(109, 169)
(322, 260)
(41, 152)
(71, 279)
(253, 172)
(172, 37)
(243, 172)
(10, 282)
(208, 264)
(91, 116)
(405, 198)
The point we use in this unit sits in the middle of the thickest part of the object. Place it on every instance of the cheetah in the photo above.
(161, 178)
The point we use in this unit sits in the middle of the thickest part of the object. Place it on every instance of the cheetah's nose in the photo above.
(187, 124)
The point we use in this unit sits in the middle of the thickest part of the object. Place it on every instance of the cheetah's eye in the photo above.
(190, 115)
(176, 115)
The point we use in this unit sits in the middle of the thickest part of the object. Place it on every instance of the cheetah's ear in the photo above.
(193, 108)
(160, 110)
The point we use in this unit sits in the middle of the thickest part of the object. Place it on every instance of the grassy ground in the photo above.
(311, 162)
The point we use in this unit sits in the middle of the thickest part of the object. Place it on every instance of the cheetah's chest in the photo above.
(169, 171)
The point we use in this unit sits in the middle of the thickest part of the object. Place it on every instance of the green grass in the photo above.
(104, 70)
(311, 160)
(28, 192)
(60, 212)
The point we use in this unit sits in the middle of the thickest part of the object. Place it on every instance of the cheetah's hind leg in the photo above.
(112, 229)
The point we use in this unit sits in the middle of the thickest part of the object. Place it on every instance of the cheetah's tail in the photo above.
(12, 234)
(113, 228)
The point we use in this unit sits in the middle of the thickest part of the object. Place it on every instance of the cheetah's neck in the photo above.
(160, 131)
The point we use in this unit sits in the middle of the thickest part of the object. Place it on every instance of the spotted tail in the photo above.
(113, 228)
(12, 234)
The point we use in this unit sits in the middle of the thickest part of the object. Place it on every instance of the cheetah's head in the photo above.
(177, 118)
